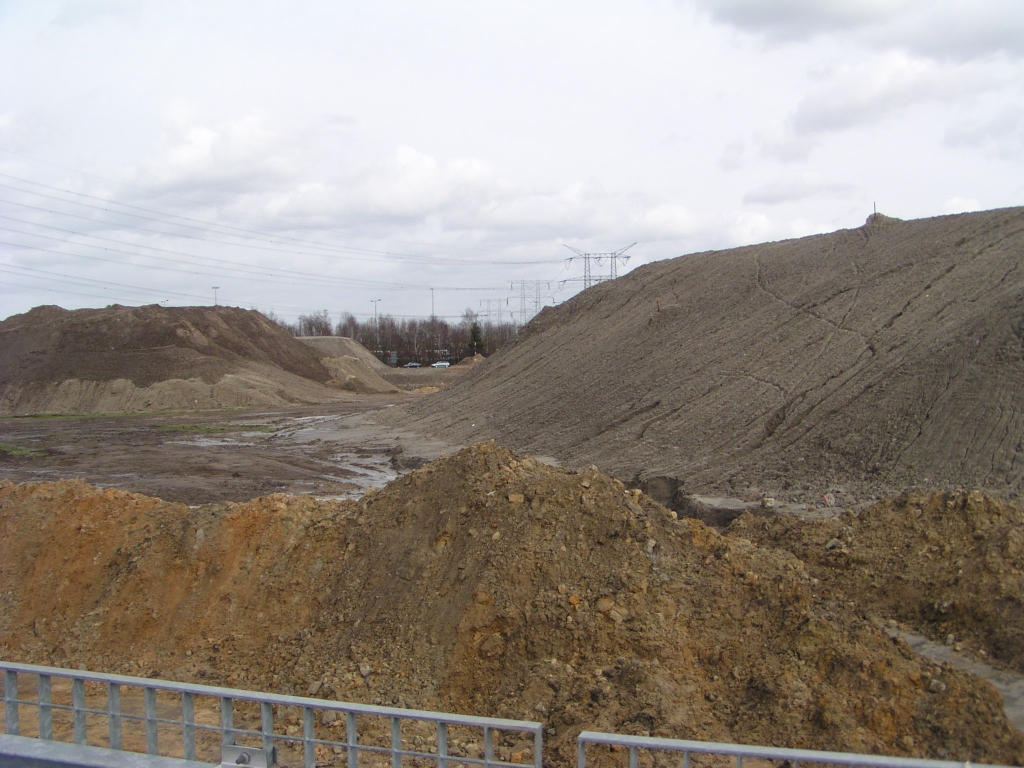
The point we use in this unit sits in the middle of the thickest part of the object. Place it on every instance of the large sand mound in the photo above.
(875, 358)
(152, 358)
(486, 583)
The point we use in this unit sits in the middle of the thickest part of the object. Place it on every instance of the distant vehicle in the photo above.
(441, 364)
(412, 365)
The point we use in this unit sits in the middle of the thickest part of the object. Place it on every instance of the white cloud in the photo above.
(229, 155)
(961, 205)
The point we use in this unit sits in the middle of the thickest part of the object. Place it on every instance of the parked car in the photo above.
(441, 364)
(412, 365)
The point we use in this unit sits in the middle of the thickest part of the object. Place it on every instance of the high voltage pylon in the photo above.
(529, 289)
(588, 278)
(491, 310)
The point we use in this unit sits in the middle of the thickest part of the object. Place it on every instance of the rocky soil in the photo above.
(867, 360)
(486, 582)
(949, 565)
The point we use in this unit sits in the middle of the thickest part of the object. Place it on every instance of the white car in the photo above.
(441, 364)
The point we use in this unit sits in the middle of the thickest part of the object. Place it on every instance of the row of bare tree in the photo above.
(399, 341)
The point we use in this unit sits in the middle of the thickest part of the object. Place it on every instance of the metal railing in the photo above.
(791, 757)
(100, 709)
(133, 714)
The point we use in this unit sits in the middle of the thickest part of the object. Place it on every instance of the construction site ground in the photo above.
(199, 458)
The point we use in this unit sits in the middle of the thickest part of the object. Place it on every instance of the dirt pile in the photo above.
(354, 374)
(877, 358)
(152, 358)
(945, 564)
(483, 582)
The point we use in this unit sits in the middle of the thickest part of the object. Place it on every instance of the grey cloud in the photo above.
(1002, 134)
(945, 29)
(794, 19)
(82, 13)
(794, 190)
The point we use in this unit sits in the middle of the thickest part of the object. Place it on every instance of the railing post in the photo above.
(538, 748)
(308, 737)
(227, 721)
(149, 705)
(45, 708)
(114, 714)
(581, 753)
(188, 725)
(78, 708)
(488, 746)
(442, 745)
(396, 743)
(11, 702)
(352, 738)
(267, 724)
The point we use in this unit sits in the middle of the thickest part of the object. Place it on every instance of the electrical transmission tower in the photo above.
(588, 278)
(491, 311)
(529, 292)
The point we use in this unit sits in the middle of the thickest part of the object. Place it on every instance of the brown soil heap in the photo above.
(943, 563)
(148, 358)
(879, 358)
(485, 583)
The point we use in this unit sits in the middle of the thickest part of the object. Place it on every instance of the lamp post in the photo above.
(215, 289)
(376, 327)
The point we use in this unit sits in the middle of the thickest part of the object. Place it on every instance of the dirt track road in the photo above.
(199, 458)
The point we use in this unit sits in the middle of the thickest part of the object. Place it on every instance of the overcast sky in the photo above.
(322, 155)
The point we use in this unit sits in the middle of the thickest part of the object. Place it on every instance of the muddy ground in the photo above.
(201, 458)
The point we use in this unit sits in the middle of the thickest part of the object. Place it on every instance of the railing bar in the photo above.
(442, 745)
(633, 757)
(188, 725)
(352, 739)
(227, 721)
(396, 742)
(11, 702)
(114, 714)
(78, 707)
(267, 724)
(294, 701)
(308, 737)
(45, 710)
(149, 704)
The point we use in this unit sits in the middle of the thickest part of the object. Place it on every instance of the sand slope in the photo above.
(153, 358)
(879, 357)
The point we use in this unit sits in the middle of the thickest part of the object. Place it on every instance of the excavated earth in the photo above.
(860, 363)
(487, 582)
(129, 359)
(949, 565)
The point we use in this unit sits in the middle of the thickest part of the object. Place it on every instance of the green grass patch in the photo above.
(214, 429)
(16, 450)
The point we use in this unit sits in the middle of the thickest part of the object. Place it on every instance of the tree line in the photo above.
(400, 341)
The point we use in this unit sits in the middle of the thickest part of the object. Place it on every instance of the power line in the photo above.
(216, 228)
(248, 215)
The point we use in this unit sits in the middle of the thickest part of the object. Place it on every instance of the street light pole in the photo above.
(215, 289)
(376, 327)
